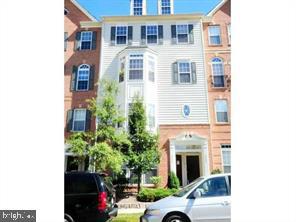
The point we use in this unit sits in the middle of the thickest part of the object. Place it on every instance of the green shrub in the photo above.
(150, 195)
(156, 181)
(216, 171)
(173, 181)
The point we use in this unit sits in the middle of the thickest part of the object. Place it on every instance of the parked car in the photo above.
(88, 198)
(205, 199)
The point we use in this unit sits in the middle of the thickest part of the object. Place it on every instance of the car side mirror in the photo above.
(197, 193)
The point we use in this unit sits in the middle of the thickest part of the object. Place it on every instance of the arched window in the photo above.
(83, 78)
(218, 72)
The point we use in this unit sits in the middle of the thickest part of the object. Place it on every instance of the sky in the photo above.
(99, 8)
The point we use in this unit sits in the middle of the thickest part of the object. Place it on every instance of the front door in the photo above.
(179, 168)
(193, 171)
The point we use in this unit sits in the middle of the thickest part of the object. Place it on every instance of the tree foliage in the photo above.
(104, 146)
(143, 154)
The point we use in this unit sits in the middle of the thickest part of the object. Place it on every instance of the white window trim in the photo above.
(77, 80)
(179, 79)
(229, 33)
(152, 35)
(222, 63)
(148, 68)
(216, 111)
(126, 41)
(74, 120)
(182, 33)
(86, 41)
(129, 59)
(209, 34)
(227, 150)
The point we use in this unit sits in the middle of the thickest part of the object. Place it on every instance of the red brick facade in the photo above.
(220, 133)
(72, 57)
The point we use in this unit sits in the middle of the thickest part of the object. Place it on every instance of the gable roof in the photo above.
(83, 10)
(214, 10)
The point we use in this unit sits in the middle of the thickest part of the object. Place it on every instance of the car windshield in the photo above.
(187, 188)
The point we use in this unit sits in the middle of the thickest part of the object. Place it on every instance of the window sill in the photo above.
(223, 124)
(212, 45)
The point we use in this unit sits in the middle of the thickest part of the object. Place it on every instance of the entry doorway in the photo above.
(193, 171)
(187, 168)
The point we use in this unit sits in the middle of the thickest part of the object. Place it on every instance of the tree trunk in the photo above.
(139, 181)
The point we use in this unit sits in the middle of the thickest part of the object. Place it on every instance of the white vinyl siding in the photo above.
(170, 97)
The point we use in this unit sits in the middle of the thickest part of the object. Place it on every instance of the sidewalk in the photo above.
(130, 205)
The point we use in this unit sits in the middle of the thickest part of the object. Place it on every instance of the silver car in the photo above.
(207, 199)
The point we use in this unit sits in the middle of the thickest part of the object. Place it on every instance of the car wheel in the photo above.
(176, 218)
(68, 218)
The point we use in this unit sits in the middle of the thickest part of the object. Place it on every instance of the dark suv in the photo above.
(88, 198)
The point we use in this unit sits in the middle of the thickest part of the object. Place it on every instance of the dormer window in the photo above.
(165, 7)
(138, 7)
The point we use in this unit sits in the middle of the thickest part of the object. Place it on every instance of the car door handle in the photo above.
(225, 203)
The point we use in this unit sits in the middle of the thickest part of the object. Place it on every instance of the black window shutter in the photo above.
(94, 40)
(174, 34)
(193, 72)
(175, 73)
(160, 34)
(130, 35)
(113, 30)
(88, 120)
(143, 35)
(74, 78)
(191, 36)
(91, 77)
(70, 119)
(77, 40)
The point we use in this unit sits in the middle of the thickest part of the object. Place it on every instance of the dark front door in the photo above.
(179, 168)
(192, 168)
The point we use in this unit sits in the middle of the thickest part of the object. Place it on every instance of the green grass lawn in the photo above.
(127, 218)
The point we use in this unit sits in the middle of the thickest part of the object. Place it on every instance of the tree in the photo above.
(143, 153)
(105, 145)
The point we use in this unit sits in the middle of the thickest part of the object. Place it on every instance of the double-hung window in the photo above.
(86, 40)
(138, 7)
(226, 157)
(151, 34)
(79, 120)
(136, 67)
(218, 72)
(214, 35)
(165, 7)
(121, 35)
(182, 33)
(83, 78)
(221, 111)
(151, 116)
(184, 72)
(151, 69)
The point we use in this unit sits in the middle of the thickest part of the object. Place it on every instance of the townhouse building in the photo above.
(217, 46)
(81, 72)
(178, 63)
(161, 58)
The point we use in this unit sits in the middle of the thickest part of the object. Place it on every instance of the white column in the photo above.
(205, 158)
(172, 156)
